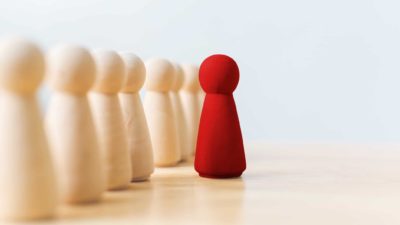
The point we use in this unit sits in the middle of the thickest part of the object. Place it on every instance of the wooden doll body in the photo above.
(75, 148)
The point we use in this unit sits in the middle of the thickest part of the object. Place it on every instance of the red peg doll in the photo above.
(219, 150)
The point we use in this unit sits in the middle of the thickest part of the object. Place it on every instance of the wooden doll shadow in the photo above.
(141, 185)
(131, 201)
(187, 163)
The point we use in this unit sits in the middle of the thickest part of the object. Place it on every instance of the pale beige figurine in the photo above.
(27, 179)
(201, 95)
(139, 144)
(70, 126)
(108, 119)
(190, 102)
(159, 112)
(184, 144)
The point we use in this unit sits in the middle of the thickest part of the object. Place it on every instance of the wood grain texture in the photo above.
(284, 184)
(112, 138)
(139, 143)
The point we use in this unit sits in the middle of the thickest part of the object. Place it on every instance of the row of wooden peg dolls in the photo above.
(96, 134)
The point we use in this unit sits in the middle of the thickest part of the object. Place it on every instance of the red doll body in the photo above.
(219, 150)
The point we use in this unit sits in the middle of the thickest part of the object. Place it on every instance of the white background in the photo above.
(310, 69)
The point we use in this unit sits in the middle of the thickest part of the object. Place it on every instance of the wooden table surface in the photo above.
(284, 184)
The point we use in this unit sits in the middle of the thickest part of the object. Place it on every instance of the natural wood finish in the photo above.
(27, 179)
(190, 103)
(289, 184)
(70, 127)
(181, 128)
(108, 119)
(201, 96)
(159, 112)
(139, 144)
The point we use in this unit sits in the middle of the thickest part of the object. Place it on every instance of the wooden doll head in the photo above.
(178, 81)
(191, 78)
(110, 72)
(70, 68)
(135, 73)
(21, 65)
(160, 75)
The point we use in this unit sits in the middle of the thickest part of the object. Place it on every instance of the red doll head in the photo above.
(219, 74)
